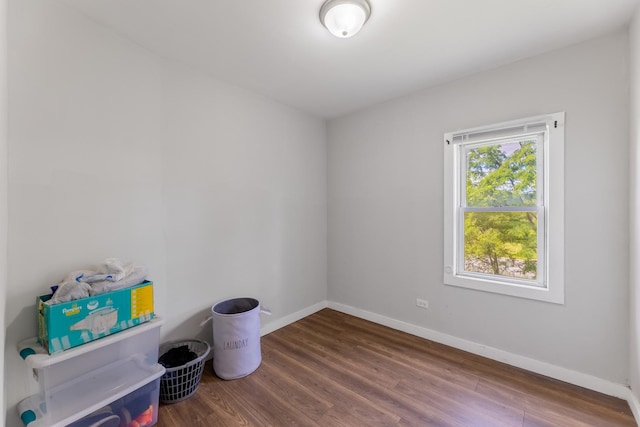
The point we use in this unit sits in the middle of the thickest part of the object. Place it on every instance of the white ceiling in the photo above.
(280, 49)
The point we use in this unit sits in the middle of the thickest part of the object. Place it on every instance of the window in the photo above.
(504, 208)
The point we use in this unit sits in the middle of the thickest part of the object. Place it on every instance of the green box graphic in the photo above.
(70, 324)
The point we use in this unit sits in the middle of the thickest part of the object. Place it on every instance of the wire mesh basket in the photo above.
(181, 382)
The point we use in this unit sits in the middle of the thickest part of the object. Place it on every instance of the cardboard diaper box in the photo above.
(70, 324)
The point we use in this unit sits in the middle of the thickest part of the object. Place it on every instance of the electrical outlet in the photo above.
(422, 303)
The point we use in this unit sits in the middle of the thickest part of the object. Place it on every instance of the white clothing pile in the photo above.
(112, 275)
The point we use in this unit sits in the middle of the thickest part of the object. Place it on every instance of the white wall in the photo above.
(116, 152)
(634, 225)
(245, 198)
(3, 191)
(385, 198)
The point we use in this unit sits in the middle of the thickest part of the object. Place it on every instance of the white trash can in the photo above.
(236, 337)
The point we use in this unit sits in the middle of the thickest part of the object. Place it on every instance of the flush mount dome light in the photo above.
(344, 18)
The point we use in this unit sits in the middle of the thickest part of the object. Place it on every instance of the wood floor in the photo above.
(331, 369)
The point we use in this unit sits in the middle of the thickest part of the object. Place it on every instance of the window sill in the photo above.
(548, 294)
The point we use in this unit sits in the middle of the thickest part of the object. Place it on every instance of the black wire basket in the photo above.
(181, 382)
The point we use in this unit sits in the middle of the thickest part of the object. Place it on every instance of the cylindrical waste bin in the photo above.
(236, 337)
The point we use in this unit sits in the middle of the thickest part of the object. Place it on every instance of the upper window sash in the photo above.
(540, 137)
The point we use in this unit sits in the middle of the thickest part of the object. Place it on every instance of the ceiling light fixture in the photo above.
(344, 18)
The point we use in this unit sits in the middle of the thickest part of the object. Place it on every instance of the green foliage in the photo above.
(502, 243)
(496, 179)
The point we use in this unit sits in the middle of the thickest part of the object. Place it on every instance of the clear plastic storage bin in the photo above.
(138, 408)
(77, 382)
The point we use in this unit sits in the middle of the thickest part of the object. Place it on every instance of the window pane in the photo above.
(501, 243)
(502, 173)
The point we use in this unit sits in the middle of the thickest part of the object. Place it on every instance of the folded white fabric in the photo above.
(71, 287)
(136, 274)
(112, 275)
(113, 270)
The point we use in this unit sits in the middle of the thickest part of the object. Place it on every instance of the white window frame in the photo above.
(549, 285)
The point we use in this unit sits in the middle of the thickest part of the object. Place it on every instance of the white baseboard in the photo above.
(291, 318)
(563, 374)
(634, 404)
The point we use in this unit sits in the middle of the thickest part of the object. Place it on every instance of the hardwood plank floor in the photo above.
(332, 369)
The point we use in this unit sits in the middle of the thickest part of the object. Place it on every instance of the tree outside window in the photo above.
(502, 174)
